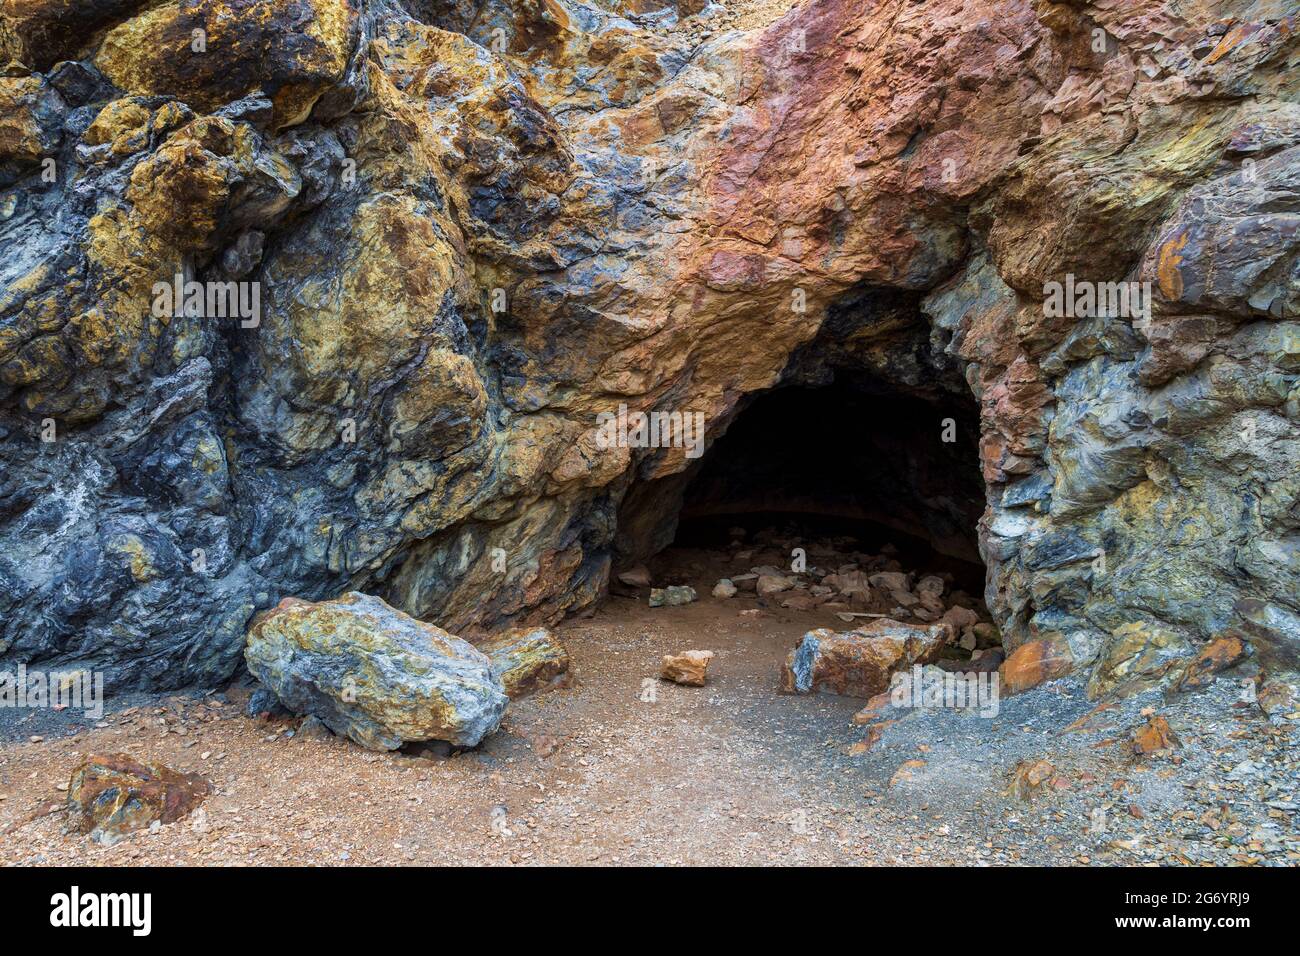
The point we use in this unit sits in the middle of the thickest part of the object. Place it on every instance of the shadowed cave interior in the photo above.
(856, 459)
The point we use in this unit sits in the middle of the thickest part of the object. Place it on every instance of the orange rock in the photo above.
(1028, 777)
(688, 668)
(1221, 653)
(1035, 663)
(1153, 736)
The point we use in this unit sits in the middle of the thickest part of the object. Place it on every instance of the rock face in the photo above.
(859, 663)
(375, 675)
(436, 243)
(526, 660)
(112, 795)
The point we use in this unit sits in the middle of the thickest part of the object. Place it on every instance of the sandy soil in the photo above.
(620, 768)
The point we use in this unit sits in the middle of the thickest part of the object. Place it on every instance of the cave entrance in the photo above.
(856, 472)
(843, 462)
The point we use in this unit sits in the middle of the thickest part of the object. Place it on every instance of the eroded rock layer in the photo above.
(454, 234)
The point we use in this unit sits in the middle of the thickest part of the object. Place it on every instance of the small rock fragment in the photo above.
(724, 589)
(1153, 736)
(673, 596)
(637, 577)
(688, 668)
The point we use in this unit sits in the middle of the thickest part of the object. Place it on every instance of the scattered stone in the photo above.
(374, 674)
(745, 582)
(890, 581)
(263, 703)
(1277, 698)
(1028, 777)
(673, 596)
(113, 795)
(527, 660)
(858, 663)
(544, 745)
(313, 728)
(961, 618)
(769, 584)
(724, 589)
(1154, 736)
(906, 772)
(688, 668)
(637, 577)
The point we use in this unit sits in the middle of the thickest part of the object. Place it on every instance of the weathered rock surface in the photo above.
(474, 231)
(672, 596)
(375, 675)
(689, 668)
(110, 796)
(526, 660)
(859, 663)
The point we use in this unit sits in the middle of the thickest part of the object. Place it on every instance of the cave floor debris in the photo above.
(620, 768)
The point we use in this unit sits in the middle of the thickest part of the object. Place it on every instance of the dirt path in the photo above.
(623, 769)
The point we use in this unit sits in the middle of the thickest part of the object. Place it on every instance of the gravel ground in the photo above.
(620, 768)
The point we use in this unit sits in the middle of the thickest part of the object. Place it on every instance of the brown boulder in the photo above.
(1035, 663)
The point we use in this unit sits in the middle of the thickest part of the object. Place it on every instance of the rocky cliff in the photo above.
(301, 297)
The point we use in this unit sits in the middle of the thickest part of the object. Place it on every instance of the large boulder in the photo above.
(374, 674)
(859, 663)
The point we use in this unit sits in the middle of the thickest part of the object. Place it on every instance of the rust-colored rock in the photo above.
(1035, 663)
(1154, 736)
(1218, 655)
(112, 795)
(859, 663)
(689, 668)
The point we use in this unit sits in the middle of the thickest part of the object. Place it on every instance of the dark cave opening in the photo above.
(872, 434)
(844, 461)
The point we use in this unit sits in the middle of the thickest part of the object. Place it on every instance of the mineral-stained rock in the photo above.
(375, 675)
(111, 795)
(1153, 736)
(673, 596)
(724, 589)
(1034, 663)
(526, 660)
(689, 668)
(466, 250)
(1138, 655)
(1219, 654)
(859, 663)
